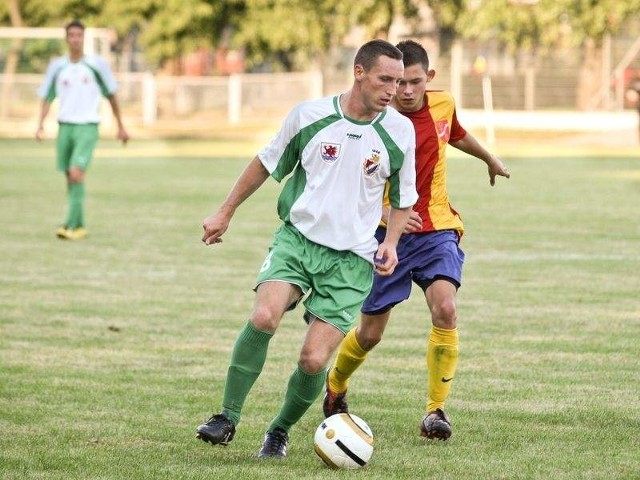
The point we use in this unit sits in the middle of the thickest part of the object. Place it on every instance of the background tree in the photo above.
(541, 25)
(291, 34)
(447, 15)
(377, 16)
(285, 35)
(168, 29)
(13, 10)
(591, 21)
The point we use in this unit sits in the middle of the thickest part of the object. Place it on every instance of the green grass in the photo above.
(113, 349)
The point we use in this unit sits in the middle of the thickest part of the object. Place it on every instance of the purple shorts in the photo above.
(422, 258)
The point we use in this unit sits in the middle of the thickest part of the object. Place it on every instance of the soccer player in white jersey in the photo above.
(338, 153)
(79, 81)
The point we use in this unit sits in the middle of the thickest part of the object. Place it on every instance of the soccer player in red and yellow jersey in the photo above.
(428, 251)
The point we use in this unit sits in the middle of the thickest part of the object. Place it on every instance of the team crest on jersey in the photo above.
(329, 151)
(372, 163)
(442, 127)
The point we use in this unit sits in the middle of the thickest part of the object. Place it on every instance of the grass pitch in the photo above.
(113, 349)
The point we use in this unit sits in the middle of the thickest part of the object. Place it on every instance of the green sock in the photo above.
(75, 196)
(247, 360)
(302, 391)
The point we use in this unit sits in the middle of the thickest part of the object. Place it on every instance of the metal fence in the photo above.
(148, 100)
(541, 81)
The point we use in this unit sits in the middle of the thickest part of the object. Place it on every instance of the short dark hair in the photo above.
(74, 24)
(369, 53)
(413, 53)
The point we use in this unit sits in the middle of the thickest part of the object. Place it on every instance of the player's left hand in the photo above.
(123, 135)
(414, 224)
(386, 259)
(496, 167)
(39, 133)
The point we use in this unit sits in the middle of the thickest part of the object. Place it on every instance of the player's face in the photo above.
(410, 96)
(75, 39)
(380, 83)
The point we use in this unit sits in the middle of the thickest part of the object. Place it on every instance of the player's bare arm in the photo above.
(44, 111)
(470, 145)
(386, 257)
(253, 176)
(123, 135)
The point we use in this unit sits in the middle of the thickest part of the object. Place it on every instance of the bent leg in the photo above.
(250, 350)
(354, 348)
(307, 380)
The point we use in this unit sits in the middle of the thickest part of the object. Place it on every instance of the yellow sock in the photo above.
(350, 356)
(442, 359)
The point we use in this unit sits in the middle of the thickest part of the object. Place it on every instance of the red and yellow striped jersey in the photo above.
(435, 124)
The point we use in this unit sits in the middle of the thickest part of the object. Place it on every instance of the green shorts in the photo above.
(336, 282)
(75, 145)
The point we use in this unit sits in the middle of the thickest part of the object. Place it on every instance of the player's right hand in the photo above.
(214, 226)
(39, 134)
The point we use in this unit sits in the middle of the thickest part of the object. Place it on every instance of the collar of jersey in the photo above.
(377, 119)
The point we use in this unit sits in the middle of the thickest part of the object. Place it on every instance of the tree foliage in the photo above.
(376, 16)
(294, 32)
(547, 24)
(447, 15)
(291, 30)
(541, 23)
(167, 28)
(287, 34)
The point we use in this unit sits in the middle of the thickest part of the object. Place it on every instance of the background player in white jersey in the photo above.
(78, 80)
(339, 152)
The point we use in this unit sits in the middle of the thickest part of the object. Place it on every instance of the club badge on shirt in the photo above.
(371, 164)
(443, 130)
(329, 151)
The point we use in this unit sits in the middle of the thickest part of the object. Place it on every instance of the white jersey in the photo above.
(340, 167)
(79, 86)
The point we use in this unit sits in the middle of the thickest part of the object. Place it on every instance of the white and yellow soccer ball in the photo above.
(344, 440)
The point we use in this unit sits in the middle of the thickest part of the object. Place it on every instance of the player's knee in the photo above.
(76, 175)
(444, 314)
(311, 362)
(369, 338)
(265, 319)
